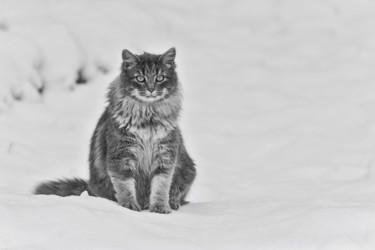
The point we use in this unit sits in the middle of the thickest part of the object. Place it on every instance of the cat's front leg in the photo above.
(123, 181)
(160, 186)
(162, 179)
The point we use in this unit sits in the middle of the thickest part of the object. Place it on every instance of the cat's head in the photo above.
(148, 77)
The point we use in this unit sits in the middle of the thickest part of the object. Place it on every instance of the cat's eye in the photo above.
(159, 78)
(140, 78)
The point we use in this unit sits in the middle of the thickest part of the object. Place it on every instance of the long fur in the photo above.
(137, 155)
(64, 187)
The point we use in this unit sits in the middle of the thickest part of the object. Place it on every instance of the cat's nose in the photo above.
(151, 89)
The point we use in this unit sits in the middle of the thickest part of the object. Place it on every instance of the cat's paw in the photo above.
(160, 208)
(130, 205)
(174, 205)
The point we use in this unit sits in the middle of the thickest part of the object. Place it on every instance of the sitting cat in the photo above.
(137, 154)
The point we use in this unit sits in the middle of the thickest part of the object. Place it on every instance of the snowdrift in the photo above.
(279, 115)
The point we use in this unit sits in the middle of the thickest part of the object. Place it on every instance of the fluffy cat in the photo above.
(137, 154)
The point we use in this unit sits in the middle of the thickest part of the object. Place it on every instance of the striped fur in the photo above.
(137, 155)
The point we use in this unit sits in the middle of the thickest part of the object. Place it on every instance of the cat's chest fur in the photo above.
(146, 146)
(147, 126)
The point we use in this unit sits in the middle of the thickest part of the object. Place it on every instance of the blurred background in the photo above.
(279, 115)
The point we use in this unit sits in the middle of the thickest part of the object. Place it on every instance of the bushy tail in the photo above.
(62, 187)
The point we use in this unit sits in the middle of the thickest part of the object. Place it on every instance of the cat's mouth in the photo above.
(148, 96)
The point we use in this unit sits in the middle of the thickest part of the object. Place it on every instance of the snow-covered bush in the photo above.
(39, 53)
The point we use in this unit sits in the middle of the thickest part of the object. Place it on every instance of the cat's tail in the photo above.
(64, 187)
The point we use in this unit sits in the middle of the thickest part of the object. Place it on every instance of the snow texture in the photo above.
(279, 115)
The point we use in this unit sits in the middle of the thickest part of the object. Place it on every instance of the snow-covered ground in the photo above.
(279, 115)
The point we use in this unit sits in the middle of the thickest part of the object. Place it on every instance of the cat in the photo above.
(137, 153)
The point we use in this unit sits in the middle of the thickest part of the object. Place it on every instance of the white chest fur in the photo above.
(149, 123)
(149, 134)
(147, 146)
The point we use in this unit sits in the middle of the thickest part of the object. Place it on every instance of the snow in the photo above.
(279, 115)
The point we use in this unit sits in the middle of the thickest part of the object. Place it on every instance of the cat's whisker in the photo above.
(168, 103)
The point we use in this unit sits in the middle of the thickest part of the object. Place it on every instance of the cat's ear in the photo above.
(168, 57)
(129, 59)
